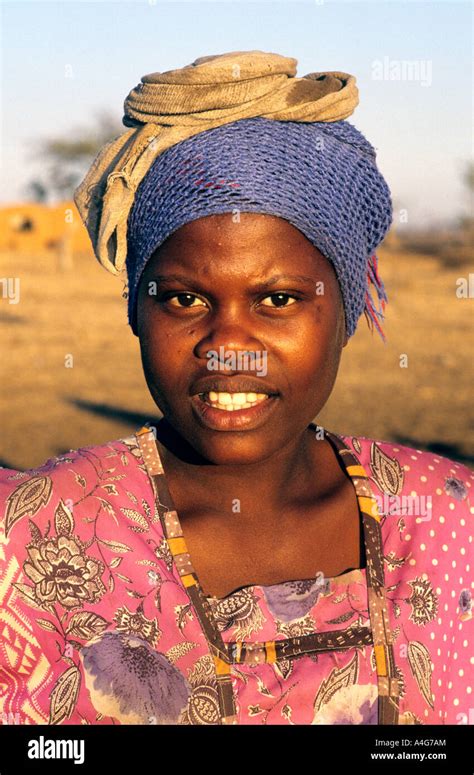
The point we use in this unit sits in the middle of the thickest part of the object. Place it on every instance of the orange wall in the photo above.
(50, 224)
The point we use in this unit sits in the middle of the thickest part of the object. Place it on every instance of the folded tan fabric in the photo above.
(166, 108)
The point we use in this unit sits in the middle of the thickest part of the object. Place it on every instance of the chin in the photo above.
(197, 435)
(234, 450)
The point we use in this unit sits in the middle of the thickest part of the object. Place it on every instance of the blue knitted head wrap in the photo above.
(321, 177)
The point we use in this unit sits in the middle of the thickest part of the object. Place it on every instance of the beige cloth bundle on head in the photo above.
(166, 108)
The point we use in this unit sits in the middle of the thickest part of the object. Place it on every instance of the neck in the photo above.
(273, 481)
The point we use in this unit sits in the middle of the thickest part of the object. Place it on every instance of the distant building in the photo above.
(32, 226)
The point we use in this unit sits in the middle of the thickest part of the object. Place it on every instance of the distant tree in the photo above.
(36, 191)
(67, 158)
(466, 222)
(469, 176)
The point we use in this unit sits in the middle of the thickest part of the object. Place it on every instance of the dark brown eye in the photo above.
(185, 300)
(279, 300)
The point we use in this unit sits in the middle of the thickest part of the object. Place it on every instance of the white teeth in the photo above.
(232, 401)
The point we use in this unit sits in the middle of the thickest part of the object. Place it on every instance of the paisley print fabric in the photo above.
(103, 619)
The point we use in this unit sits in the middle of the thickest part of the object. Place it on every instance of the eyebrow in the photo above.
(192, 281)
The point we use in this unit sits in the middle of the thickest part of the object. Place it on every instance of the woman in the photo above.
(236, 563)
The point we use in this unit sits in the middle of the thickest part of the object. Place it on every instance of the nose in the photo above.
(231, 331)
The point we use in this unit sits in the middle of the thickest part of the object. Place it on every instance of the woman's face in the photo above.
(266, 306)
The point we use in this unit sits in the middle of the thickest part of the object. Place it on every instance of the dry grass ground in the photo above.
(46, 408)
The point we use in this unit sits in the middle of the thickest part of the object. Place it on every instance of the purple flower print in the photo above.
(355, 704)
(130, 681)
(293, 599)
(455, 488)
(465, 600)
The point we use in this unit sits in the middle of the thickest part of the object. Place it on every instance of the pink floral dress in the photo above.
(103, 619)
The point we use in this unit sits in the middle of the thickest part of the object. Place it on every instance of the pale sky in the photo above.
(421, 128)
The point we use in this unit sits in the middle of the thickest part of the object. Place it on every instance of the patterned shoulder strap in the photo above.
(175, 539)
(387, 680)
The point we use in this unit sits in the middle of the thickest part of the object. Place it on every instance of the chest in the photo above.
(320, 538)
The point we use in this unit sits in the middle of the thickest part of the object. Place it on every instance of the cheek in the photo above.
(165, 360)
(317, 371)
(311, 349)
(154, 353)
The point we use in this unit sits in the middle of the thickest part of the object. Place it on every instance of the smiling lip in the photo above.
(235, 384)
(221, 419)
(239, 419)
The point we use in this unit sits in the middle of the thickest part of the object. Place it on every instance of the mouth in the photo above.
(233, 402)
(233, 411)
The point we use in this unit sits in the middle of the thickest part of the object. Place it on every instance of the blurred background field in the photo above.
(70, 306)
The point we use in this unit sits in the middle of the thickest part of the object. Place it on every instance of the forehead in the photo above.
(249, 243)
(238, 227)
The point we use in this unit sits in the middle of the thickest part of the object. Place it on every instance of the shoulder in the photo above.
(394, 467)
(98, 474)
(75, 459)
(422, 497)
